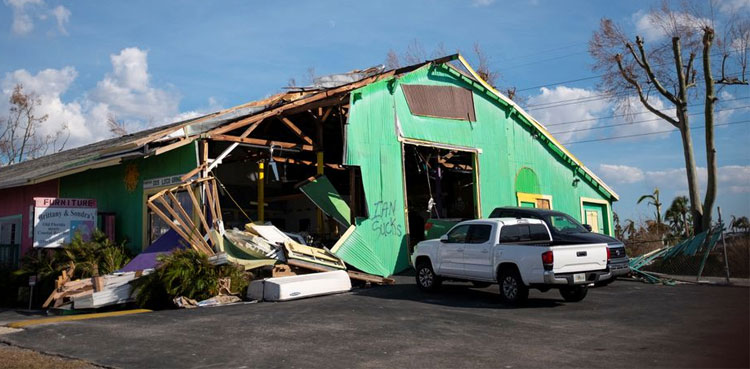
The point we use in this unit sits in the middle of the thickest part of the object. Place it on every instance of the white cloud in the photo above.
(640, 120)
(583, 114)
(653, 29)
(22, 20)
(24, 12)
(49, 85)
(126, 93)
(482, 2)
(62, 15)
(734, 6)
(620, 173)
(733, 178)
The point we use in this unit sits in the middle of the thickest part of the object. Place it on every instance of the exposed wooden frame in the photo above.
(297, 131)
(307, 162)
(262, 142)
(174, 145)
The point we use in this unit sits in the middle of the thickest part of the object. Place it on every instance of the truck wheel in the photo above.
(427, 280)
(512, 289)
(574, 294)
(478, 284)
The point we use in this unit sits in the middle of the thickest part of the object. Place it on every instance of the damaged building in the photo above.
(359, 163)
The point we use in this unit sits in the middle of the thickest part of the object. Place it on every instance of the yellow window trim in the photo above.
(532, 197)
(605, 216)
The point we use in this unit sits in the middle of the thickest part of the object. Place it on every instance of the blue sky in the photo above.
(149, 62)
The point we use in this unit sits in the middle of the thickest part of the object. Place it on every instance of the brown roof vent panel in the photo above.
(440, 102)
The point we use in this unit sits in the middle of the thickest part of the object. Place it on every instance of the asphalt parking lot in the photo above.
(627, 324)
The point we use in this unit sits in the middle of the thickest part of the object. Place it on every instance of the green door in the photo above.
(525, 204)
(596, 216)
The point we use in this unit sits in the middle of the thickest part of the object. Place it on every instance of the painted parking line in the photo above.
(68, 318)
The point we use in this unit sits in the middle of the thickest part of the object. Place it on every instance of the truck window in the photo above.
(458, 234)
(538, 232)
(479, 233)
(514, 233)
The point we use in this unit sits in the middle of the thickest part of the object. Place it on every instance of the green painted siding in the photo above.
(108, 187)
(526, 181)
(507, 145)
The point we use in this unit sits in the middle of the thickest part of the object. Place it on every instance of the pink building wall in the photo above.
(17, 200)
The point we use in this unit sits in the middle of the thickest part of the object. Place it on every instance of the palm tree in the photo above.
(741, 223)
(677, 215)
(654, 200)
(629, 228)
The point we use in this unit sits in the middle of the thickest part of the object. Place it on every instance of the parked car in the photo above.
(566, 231)
(515, 253)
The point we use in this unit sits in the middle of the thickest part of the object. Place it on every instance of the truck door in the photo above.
(451, 252)
(478, 252)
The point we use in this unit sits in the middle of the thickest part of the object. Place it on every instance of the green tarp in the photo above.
(321, 192)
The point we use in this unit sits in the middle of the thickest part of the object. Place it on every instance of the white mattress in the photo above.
(299, 286)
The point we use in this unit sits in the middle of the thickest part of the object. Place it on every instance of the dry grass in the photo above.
(14, 357)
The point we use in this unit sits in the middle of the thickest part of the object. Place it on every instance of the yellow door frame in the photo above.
(605, 217)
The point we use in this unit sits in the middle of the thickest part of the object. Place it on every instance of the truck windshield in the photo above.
(565, 224)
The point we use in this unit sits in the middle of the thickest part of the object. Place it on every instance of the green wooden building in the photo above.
(399, 147)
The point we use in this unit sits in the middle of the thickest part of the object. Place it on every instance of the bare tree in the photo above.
(664, 73)
(20, 137)
(116, 127)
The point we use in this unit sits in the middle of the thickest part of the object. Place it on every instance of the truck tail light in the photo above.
(427, 226)
(609, 254)
(548, 260)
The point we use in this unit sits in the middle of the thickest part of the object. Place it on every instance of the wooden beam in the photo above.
(262, 142)
(300, 102)
(193, 172)
(326, 114)
(174, 145)
(307, 162)
(297, 131)
(170, 223)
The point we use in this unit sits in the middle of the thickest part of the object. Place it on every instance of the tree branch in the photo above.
(651, 76)
(641, 96)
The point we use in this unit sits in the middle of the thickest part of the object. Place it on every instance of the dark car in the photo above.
(567, 231)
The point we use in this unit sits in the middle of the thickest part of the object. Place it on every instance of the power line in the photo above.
(600, 75)
(652, 133)
(631, 114)
(638, 122)
(595, 97)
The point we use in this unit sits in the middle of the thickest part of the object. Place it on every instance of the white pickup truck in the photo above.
(514, 252)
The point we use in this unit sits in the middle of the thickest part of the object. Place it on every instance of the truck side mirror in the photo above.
(444, 238)
(588, 227)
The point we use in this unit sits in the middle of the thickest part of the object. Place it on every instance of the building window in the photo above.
(10, 241)
(440, 102)
(157, 226)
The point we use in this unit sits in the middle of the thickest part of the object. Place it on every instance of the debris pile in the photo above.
(703, 242)
(296, 270)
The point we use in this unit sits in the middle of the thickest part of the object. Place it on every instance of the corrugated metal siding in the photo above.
(526, 181)
(507, 145)
(107, 186)
(440, 102)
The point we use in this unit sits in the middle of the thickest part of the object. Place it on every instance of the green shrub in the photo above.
(97, 256)
(185, 273)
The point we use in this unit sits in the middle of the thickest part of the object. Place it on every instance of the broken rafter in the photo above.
(306, 162)
(262, 142)
(300, 102)
(297, 131)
